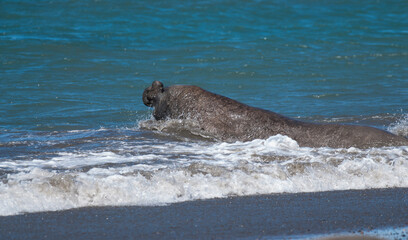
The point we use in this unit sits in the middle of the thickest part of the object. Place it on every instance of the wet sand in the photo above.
(264, 216)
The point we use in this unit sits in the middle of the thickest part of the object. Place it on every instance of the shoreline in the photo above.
(251, 217)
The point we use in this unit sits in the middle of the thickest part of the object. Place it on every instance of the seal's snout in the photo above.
(146, 100)
(151, 94)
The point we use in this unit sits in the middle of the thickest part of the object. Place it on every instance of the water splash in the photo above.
(400, 127)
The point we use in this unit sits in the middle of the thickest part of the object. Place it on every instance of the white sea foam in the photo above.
(400, 127)
(168, 172)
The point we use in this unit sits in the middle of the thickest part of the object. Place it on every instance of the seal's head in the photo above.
(152, 93)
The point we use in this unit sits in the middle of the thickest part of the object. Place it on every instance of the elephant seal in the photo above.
(229, 120)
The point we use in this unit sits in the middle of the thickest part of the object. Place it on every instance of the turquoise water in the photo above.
(72, 75)
(84, 64)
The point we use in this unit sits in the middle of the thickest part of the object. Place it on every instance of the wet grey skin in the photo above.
(228, 120)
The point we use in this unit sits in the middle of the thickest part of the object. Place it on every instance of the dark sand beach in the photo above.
(265, 216)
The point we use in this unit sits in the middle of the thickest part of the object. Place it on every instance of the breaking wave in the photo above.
(144, 172)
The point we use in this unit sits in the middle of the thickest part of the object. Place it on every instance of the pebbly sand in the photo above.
(278, 216)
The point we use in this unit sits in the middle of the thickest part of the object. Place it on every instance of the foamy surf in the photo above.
(146, 173)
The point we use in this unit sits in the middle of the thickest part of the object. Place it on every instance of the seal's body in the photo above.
(230, 120)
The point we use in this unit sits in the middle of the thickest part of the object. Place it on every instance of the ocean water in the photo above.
(74, 131)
